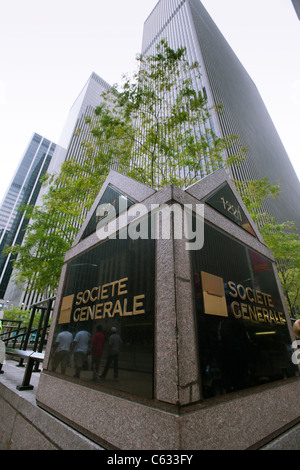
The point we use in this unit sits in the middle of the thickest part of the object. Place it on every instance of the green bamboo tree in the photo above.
(157, 126)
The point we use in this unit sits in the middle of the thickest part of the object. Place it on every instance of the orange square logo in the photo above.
(214, 295)
(66, 310)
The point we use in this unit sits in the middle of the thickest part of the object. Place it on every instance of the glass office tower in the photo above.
(224, 80)
(70, 140)
(23, 189)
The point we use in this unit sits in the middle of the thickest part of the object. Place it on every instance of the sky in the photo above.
(48, 50)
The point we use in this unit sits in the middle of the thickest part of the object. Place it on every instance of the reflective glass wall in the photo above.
(242, 330)
(105, 330)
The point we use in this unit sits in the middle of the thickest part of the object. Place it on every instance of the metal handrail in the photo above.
(45, 307)
(10, 332)
(14, 337)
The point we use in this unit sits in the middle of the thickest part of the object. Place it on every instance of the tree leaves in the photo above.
(282, 238)
(159, 123)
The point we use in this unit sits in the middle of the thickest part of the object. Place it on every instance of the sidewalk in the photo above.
(13, 376)
(26, 426)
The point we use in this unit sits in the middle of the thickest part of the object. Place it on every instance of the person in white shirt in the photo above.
(61, 351)
(81, 345)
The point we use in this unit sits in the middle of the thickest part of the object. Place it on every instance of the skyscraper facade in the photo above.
(70, 140)
(225, 81)
(23, 189)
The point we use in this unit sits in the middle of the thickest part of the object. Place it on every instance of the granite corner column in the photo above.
(176, 359)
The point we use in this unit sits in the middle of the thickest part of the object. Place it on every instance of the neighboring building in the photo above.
(296, 4)
(69, 142)
(224, 80)
(33, 164)
(23, 189)
(69, 146)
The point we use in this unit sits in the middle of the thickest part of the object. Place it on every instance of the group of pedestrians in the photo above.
(81, 346)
